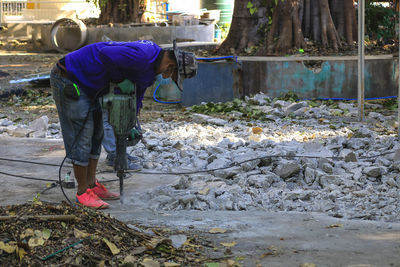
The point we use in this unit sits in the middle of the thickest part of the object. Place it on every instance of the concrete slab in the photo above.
(263, 238)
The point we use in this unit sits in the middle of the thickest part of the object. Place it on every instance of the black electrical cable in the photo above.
(27, 177)
(53, 185)
(249, 160)
(194, 172)
(31, 162)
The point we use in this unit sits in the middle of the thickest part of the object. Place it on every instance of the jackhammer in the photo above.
(121, 106)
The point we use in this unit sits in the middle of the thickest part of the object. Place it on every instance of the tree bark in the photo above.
(290, 34)
(121, 11)
(328, 30)
(243, 32)
(322, 21)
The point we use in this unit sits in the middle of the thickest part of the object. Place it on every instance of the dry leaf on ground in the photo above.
(217, 230)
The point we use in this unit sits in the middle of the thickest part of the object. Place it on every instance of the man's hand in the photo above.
(134, 137)
(127, 87)
(136, 134)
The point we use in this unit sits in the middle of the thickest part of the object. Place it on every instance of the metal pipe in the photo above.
(361, 58)
(398, 94)
(1, 13)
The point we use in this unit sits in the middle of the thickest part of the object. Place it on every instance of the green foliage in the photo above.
(36, 198)
(252, 9)
(380, 22)
(289, 96)
(390, 104)
(248, 112)
(224, 29)
(98, 3)
(32, 97)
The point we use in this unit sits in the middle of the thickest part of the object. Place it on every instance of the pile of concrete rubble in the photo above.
(301, 158)
(350, 170)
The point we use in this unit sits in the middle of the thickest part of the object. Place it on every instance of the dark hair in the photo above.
(170, 53)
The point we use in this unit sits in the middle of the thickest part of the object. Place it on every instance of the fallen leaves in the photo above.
(80, 234)
(92, 239)
(39, 237)
(257, 130)
(335, 225)
(217, 230)
(205, 191)
(9, 247)
(12, 247)
(272, 251)
(171, 264)
(113, 248)
(35, 241)
(229, 244)
(150, 263)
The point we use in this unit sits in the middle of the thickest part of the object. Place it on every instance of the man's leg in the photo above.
(97, 141)
(91, 173)
(81, 173)
(76, 120)
(109, 139)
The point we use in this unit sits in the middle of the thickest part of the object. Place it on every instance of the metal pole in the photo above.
(361, 58)
(398, 94)
(1, 13)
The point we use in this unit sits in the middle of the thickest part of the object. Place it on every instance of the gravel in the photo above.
(346, 170)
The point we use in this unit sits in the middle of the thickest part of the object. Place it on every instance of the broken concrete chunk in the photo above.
(5, 122)
(261, 99)
(327, 180)
(348, 155)
(374, 171)
(218, 163)
(287, 170)
(201, 118)
(19, 132)
(294, 106)
(280, 104)
(41, 124)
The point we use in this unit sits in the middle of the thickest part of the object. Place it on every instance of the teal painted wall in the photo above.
(331, 79)
(222, 81)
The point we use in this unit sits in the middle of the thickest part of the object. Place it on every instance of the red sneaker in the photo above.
(90, 199)
(103, 193)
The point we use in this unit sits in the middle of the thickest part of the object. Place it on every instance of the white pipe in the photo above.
(361, 58)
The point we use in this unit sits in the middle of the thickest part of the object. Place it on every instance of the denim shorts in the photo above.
(81, 122)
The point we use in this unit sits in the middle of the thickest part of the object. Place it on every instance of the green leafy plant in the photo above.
(289, 96)
(252, 9)
(248, 112)
(36, 198)
(390, 104)
(381, 23)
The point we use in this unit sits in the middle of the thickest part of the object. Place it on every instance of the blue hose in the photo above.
(350, 99)
(163, 102)
(216, 58)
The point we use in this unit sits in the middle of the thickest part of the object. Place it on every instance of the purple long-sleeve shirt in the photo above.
(94, 66)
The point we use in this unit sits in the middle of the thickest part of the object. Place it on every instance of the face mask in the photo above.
(163, 81)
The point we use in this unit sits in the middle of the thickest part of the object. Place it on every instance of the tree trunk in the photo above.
(243, 31)
(290, 34)
(120, 11)
(328, 30)
(322, 21)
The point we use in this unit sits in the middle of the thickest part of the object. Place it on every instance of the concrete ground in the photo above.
(262, 238)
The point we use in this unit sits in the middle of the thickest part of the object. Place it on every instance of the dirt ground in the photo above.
(258, 238)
